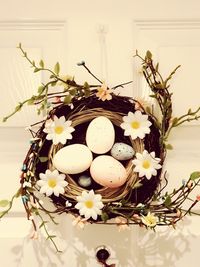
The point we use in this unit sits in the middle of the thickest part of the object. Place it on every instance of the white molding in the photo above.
(53, 25)
(167, 24)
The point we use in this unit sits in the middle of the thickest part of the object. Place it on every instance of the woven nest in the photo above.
(85, 110)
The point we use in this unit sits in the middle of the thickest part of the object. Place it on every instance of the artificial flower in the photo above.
(58, 130)
(52, 183)
(79, 222)
(89, 204)
(146, 164)
(136, 125)
(150, 220)
(104, 93)
(122, 223)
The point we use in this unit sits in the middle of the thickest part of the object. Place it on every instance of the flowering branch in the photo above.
(159, 87)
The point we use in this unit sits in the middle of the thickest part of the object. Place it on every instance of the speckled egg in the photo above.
(122, 151)
(84, 180)
(73, 159)
(108, 172)
(100, 135)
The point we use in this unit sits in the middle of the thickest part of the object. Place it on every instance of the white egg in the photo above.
(100, 135)
(73, 159)
(108, 172)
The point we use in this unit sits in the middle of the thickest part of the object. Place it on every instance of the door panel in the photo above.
(109, 54)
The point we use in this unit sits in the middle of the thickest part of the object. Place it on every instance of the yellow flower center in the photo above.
(52, 182)
(151, 220)
(89, 204)
(58, 129)
(135, 124)
(146, 164)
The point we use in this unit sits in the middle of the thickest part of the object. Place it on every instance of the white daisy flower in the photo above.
(89, 204)
(136, 125)
(150, 220)
(52, 183)
(58, 130)
(146, 164)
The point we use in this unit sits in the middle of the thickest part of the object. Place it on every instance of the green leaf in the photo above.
(72, 91)
(36, 70)
(43, 159)
(87, 92)
(41, 63)
(53, 83)
(40, 89)
(86, 85)
(168, 201)
(57, 68)
(174, 122)
(67, 99)
(153, 96)
(18, 107)
(148, 55)
(157, 67)
(31, 101)
(2, 213)
(194, 175)
(104, 216)
(168, 146)
(51, 237)
(4, 203)
(43, 223)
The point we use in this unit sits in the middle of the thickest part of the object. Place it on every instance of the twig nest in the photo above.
(90, 161)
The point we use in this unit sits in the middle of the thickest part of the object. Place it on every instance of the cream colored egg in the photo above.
(108, 172)
(100, 135)
(73, 159)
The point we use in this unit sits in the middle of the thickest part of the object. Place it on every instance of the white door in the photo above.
(105, 34)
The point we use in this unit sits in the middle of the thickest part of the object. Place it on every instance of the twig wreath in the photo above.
(99, 156)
